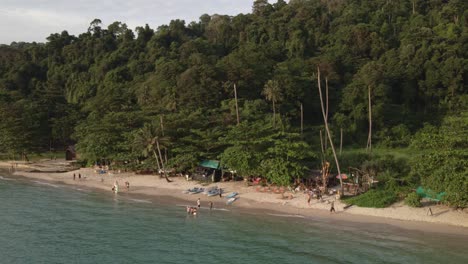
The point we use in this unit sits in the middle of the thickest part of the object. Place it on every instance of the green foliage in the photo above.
(373, 198)
(444, 165)
(396, 137)
(413, 200)
(286, 159)
(98, 90)
(246, 145)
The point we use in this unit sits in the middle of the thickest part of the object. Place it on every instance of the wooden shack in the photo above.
(208, 170)
(70, 153)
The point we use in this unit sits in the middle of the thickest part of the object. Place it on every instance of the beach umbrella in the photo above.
(343, 176)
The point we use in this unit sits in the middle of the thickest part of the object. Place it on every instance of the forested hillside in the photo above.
(126, 95)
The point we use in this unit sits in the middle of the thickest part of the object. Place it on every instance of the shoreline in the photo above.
(446, 221)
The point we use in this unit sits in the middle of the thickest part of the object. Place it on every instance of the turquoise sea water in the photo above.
(52, 223)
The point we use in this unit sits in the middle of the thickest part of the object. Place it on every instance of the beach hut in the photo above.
(70, 153)
(208, 170)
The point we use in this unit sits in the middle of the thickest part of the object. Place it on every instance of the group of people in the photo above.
(318, 194)
(314, 193)
(115, 187)
(79, 176)
(191, 210)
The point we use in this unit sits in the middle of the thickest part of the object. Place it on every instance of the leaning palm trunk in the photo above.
(162, 163)
(157, 160)
(328, 130)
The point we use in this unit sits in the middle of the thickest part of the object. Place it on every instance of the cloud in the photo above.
(35, 20)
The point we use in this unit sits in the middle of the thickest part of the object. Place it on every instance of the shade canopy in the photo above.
(430, 194)
(212, 164)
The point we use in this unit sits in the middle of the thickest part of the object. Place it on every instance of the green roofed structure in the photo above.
(212, 164)
(208, 170)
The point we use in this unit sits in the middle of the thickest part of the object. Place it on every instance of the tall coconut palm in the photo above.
(272, 93)
(327, 129)
(149, 140)
(237, 105)
(369, 137)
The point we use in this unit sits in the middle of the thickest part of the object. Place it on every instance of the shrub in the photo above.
(444, 165)
(413, 200)
(373, 198)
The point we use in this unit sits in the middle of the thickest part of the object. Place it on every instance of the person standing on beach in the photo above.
(79, 176)
(309, 196)
(127, 184)
(332, 208)
(220, 192)
(198, 203)
(74, 176)
(211, 205)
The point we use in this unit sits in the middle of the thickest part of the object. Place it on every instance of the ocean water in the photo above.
(51, 223)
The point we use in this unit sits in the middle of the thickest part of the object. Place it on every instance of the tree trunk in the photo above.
(369, 138)
(162, 163)
(237, 106)
(302, 119)
(326, 108)
(414, 7)
(157, 161)
(162, 132)
(322, 145)
(328, 131)
(274, 114)
(341, 140)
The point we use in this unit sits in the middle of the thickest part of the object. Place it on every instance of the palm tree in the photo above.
(328, 129)
(149, 140)
(272, 92)
(369, 137)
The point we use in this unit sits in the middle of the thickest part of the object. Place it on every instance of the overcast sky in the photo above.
(35, 20)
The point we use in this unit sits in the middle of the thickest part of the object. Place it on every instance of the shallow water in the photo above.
(52, 223)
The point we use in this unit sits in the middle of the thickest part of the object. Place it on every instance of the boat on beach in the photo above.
(231, 200)
(195, 190)
(231, 195)
(214, 192)
(209, 189)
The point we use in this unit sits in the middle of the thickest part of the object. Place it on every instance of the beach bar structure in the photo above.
(70, 153)
(208, 170)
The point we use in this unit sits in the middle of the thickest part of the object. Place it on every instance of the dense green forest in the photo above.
(236, 88)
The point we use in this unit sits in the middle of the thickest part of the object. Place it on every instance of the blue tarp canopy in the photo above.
(212, 164)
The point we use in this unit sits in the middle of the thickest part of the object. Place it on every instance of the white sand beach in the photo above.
(444, 219)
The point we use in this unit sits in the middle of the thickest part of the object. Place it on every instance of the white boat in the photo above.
(231, 200)
(231, 195)
(195, 190)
